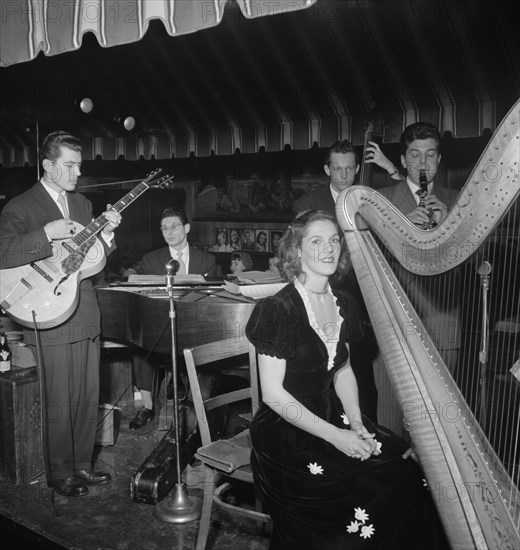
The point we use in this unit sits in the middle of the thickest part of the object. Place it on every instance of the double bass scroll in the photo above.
(375, 127)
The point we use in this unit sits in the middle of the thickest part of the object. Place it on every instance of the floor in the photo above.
(107, 519)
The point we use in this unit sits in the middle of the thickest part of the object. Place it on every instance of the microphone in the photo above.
(484, 268)
(171, 268)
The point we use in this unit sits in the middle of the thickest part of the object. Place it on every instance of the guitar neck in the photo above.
(99, 223)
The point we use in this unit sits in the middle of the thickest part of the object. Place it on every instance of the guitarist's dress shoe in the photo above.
(70, 487)
(142, 417)
(90, 477)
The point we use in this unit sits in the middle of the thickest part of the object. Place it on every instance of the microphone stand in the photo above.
(179, 508)
(484, 269)
(43, 404)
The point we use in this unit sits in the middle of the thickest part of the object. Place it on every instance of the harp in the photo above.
(465, 430)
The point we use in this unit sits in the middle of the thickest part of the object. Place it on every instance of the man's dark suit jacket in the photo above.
(319, 199)
(23, 240)
(402, 197)
(201, 263)
(439, 311)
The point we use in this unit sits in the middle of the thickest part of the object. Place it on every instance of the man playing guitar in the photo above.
(30, 224)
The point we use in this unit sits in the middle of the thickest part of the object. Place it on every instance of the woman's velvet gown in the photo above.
(317, 496)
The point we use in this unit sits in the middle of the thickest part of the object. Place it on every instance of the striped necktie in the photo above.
(182, 265)
(63, 202)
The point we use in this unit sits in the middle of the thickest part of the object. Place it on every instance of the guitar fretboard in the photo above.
(99, 223)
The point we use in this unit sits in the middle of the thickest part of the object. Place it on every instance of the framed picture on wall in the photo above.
(274, 240)
(262, 242)
(221, 241)
(248, 239)
(235, 242)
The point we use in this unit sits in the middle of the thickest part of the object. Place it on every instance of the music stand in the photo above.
(180, 508)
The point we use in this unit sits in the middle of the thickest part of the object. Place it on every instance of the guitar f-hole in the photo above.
(56, 293)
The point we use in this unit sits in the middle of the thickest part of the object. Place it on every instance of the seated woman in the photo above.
(329, 477)
(240, 262)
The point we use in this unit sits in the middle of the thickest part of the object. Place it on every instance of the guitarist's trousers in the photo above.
(71, 386)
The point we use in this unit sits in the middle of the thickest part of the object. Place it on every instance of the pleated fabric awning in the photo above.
(248, 82)
(57, 26)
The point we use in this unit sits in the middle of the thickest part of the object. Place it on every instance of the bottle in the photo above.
(5, 354)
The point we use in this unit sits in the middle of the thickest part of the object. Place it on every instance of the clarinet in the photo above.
(423, 182)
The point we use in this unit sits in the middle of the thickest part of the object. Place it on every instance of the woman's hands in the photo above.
(357, 442)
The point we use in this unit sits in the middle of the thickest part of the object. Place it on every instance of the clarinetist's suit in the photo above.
(440, 314)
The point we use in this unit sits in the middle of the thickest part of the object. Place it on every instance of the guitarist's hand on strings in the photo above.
(114, 219)
(60, 229)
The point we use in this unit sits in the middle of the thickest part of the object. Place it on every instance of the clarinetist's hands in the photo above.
(420, 215)
(440, 210)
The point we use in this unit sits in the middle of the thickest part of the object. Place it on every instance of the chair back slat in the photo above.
(222, 349)
(201, 355)
(227, 398)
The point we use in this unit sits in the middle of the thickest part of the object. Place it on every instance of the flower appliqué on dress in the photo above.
(367, 531)
(345, 419)
(358, 526)
(315, 468)
(353, 527)
(379, 446)
(361, 515)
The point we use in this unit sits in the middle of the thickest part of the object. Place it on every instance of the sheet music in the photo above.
(160, 280)
(258, 277)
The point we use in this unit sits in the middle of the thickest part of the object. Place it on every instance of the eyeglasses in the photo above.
(339, 170)
(173, 227)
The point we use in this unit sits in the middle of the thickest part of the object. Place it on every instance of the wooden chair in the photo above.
(228, 457)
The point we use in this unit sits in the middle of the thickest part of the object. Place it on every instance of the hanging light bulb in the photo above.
(129, 123)
(86, 105)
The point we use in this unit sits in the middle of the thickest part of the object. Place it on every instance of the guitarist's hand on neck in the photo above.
(114, 219)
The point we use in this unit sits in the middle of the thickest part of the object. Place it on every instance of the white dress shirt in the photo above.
(185, 254)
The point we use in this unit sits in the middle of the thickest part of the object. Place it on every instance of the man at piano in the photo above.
(52, 210)
(435, 298)
(175, 228)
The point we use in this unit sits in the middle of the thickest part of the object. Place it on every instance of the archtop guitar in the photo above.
(50, 287)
